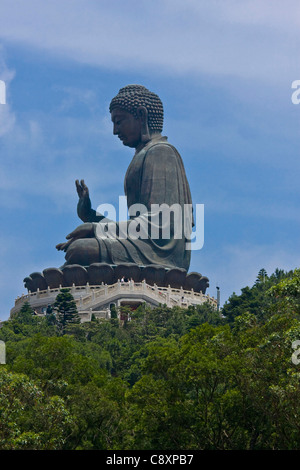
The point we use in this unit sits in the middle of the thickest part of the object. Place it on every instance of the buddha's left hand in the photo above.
(82, 231)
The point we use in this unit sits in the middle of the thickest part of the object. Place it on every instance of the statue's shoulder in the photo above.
(160, 144)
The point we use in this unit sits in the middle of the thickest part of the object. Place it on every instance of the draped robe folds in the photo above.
(155, 176)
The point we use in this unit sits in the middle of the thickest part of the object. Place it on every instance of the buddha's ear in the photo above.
(142, 114)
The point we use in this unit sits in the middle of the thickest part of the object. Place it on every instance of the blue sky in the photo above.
(223, 70)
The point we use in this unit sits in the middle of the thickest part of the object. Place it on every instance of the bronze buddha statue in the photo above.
(155, 178)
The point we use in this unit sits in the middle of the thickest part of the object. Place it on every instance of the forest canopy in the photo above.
(195, 378)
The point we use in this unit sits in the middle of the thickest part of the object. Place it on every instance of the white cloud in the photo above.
(247, 39)
(73, 96)
(249, 12)
(48, 152)
(7, 119)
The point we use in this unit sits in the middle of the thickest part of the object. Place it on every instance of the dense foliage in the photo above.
(166, 379)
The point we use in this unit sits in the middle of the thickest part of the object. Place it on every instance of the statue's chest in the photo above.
(133, 178)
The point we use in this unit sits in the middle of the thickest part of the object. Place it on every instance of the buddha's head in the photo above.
(137, 113)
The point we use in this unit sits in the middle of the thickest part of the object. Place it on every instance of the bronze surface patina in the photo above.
(155, 177)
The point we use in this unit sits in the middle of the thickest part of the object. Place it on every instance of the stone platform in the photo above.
(96, 288)
(98, 300)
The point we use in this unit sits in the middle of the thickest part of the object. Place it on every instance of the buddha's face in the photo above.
(126, 127)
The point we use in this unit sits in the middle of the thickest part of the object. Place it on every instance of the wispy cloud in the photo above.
(190, 36)
(41, 164)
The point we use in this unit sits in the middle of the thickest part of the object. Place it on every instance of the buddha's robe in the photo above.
(155, 176)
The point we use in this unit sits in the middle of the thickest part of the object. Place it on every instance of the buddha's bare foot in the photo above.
(64, 246)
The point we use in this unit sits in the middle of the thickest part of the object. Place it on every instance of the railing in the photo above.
(92, 293)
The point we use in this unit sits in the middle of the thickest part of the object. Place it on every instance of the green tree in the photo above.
(256, 299)
(205, 313)
(25, 314)
(29, 419)
(287, 293)
(113, 311)
(262, 276)
(66, 309)
(219, 388)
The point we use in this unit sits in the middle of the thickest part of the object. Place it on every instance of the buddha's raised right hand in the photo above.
(84, 206)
